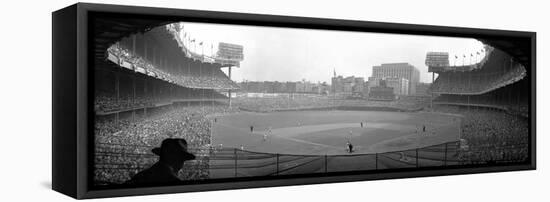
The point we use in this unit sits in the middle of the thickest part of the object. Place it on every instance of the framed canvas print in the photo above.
(157, 100)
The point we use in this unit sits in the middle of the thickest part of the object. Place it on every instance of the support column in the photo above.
(134, 89)
(417, 158)
(146, 96)
(235, 156)
(518, 101)
(212, 91)
(134, 44)
(445, 158)
(229, 92)
(277, 171)
(117, 87)
(134, 97)
(154, 56)
(202, 89)
(468, 102)
(145, 49)
(470, 81)
(326, 163)
(376, 161)
(432, 93)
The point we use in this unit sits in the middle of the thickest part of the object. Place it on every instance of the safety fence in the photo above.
(117, 163)
(225, 163)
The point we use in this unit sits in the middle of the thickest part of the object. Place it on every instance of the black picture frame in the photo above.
(72, 126)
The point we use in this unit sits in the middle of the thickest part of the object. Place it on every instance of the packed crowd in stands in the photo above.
(406, 103)
(124, 55)
(472, 82)
(497, 69)
(218, 80)
(280, 103)
(494, 105)
(123, 147)
(492, 136)
(108, 102)
(214, 79)
(319, 102)
(105, 102)
(511, 104)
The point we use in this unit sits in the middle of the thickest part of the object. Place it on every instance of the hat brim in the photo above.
(156, 151)
(187, 155)
(190, 156)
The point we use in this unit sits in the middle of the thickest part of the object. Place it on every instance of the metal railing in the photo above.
(117, 163)
(225, 163)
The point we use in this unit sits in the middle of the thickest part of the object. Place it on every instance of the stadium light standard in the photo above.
(200, 75)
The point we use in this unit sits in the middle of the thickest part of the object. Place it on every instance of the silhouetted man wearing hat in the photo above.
(173, 153)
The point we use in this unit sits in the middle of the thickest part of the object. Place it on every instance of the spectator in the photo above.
(173, 153)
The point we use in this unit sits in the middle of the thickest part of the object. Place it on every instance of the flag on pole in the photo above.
(456, 57)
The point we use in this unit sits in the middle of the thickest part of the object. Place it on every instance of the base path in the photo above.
(320, 132)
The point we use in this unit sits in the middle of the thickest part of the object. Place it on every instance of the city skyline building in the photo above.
(398, 70)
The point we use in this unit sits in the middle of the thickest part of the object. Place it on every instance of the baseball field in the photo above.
(310, 141)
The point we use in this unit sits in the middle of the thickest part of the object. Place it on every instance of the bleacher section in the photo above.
(499, 82)
(156, 68)
(494, 74)
(205, 76)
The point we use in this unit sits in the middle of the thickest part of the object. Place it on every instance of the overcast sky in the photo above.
(289, 54)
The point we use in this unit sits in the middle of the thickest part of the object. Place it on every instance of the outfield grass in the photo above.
(326, 132)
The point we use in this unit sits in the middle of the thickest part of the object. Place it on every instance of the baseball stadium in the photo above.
(153, 81)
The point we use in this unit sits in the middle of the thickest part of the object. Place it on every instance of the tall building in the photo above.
(284, 87)
(279, 87)
(290, 87)
(359, 84)
(398, 70)
(373, 81)
(381, 92)
(348, 85)
(305, 87)
(400, 85)
(337, 84)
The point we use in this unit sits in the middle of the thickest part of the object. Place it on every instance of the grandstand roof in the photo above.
(109, 30)
(519, 49)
